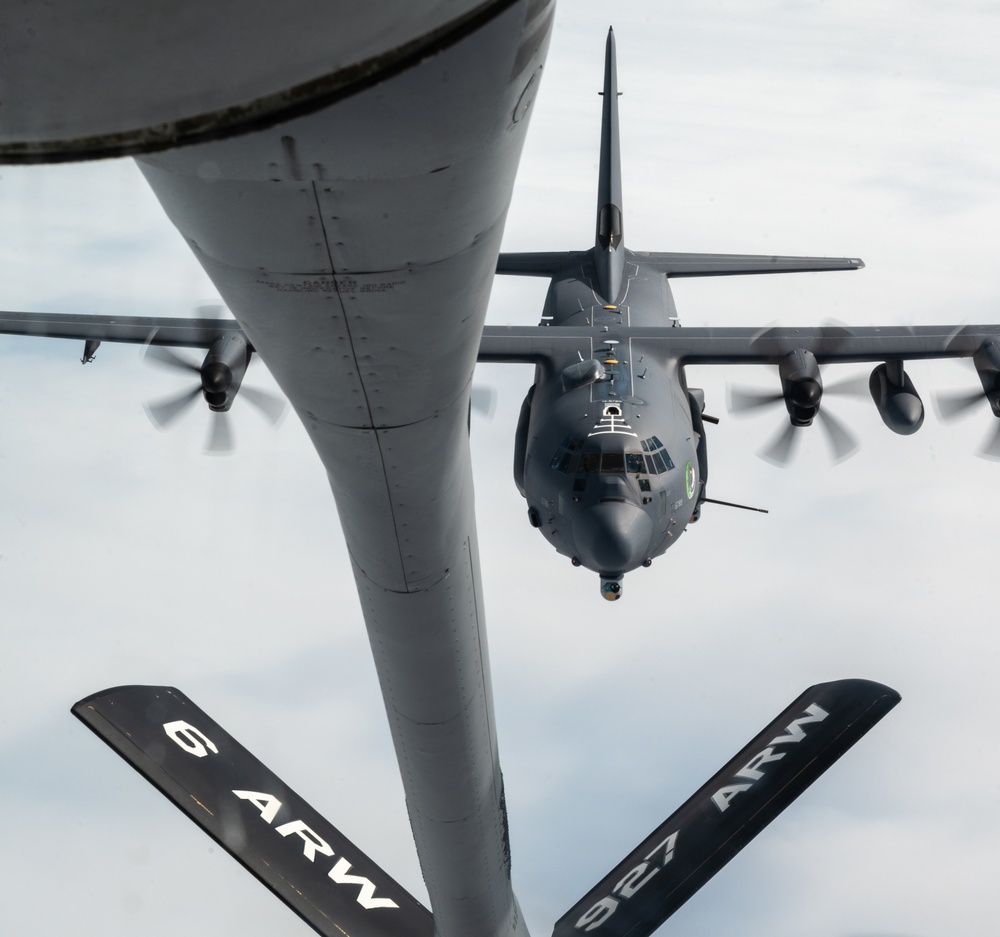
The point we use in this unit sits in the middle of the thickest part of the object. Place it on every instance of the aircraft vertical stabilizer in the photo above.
(609, 249)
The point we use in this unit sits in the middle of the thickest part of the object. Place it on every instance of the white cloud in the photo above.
(126, 556)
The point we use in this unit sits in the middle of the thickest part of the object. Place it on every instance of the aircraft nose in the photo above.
(612, 536)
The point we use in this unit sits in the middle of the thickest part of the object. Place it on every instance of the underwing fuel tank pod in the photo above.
(335, 888)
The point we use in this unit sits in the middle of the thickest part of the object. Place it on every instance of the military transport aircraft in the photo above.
(355, 267)
(610, 450)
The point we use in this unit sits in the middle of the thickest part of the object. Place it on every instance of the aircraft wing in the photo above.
(136, 330)
(672, 264)
(541, 264)
(829, 344)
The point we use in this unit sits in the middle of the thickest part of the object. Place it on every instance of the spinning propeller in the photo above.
(801, 396)
(483, 400)
(220, 377)
(952, 405)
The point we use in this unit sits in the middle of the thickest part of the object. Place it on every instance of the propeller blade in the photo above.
(991, 447)
(763, 332)
(779, 452)
(484, 400)
(835, 333)
(271, 406)
(843, 443)
(220, 435)
(163, 412)
(949, 406)
(740, 399)
(209, 314)
(168, 358)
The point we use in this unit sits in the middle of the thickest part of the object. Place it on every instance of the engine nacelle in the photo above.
(222, 371)
(801, 386)
(896, 399)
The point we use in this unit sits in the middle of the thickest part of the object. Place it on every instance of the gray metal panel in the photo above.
(111, 76)
(445, 739)
(405, 514)
(290, 205)
(375, 349)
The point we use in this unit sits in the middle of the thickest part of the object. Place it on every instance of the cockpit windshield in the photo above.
(571, 459)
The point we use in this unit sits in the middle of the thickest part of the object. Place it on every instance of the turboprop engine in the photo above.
(801, 386)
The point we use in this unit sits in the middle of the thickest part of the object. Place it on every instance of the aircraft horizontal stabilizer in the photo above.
(685, 851)
(252, 814)
(549, 264)
(720, 265)
(541, 263)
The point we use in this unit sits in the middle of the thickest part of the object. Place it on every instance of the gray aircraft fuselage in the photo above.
(611, 468)
(608, 442)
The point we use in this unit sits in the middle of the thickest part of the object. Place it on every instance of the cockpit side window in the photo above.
(659, 461)
(567, 456)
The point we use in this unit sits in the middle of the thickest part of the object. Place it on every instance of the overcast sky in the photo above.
(126, 556)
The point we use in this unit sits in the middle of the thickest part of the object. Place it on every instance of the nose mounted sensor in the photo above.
(611, 589)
